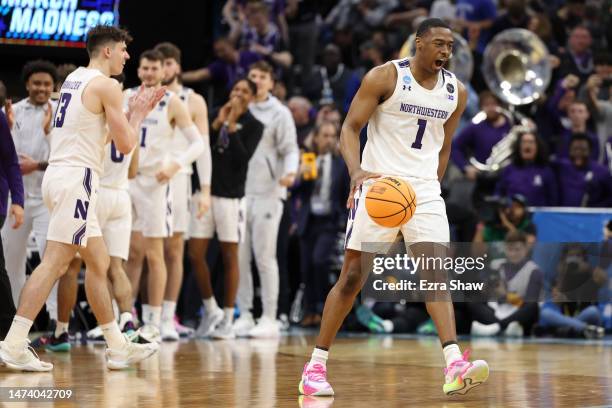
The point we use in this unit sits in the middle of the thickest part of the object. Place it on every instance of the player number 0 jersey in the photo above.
(406, 132)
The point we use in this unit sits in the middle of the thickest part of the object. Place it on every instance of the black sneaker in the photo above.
(130, 331)
(61, 343)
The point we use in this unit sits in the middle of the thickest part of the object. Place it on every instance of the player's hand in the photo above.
(471, 172)
(144, 101)
(164, 175)
(287, 180)
(10, 114)
(204, 204)
(357, 180)
(47, 118)
(17, 213)
(27, 164)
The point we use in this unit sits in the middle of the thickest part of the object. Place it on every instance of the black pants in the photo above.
(7, 307)
(317, 245)
(282, 255)
(527, 315)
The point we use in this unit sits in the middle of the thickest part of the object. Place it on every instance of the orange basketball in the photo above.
(390, 202)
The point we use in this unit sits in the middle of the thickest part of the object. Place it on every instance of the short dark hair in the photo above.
(252, 85)
(486, 94)
(430, 23)
(516, 236)
(151, 55)
(581, 136)
(262, 66)
(36, 66)
(541, 158)
(169, 50)
(103, 34)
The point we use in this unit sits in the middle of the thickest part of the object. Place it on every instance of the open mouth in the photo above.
(439, 63)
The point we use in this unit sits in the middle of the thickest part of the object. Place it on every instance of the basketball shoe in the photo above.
(149, 333)
(265, 328)
(209, 322)
(22, 357)
(243, 325)
(314, 381)
(463, 375)
(168, 331)
(224, 331)
(129, 353)
(61, 343)
(183, 331)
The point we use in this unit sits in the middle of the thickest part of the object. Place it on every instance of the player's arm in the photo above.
(133, 168)
(450, 126)
(202, 74)
(377, 86)
(199, 114)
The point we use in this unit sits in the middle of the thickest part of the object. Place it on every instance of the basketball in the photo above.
(391, 202)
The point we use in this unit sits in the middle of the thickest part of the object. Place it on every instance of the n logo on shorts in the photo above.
(81, 209)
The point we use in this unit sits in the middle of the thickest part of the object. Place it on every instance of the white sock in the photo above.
(18, 333)
(210, 304)
(155, 315)
(115, 309)
(112, 335)
(452, 353)
(124, 318)
(388, 326)
(168, 310)
(229, 314)
(319, 356)
(146, 313)
(61, 327)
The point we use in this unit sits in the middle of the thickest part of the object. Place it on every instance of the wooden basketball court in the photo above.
(365, 371)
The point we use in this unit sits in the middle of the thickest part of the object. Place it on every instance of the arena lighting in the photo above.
(56, 23)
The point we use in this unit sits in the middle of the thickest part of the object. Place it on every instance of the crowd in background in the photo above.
(320, 50)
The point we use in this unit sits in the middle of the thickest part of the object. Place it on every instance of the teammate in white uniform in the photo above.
(181, 189)
(151, 191)
(89, 102)
(412, 108)
(30, 122)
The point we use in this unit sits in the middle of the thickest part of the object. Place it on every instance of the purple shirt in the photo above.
(10, 174)
(593, 182)
(564, 142)
(479, 139)
(536, 183)
(222, 71)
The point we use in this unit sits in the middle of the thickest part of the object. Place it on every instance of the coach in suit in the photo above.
(321, 216)
(10, 181)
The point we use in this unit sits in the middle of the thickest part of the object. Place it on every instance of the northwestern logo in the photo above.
(450, 88)
(423, 111)
(81, 209)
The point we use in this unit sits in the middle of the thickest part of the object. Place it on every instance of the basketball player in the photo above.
(151, 191)
(30, 123)
(271, 170)
(89, 102)
(181, 188)
(412, 108)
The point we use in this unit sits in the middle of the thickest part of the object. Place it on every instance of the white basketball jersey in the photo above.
(406, 132)
(116, 167)
(78, 135)
(156, 137)
(181, 143)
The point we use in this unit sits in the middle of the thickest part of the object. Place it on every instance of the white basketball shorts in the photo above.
(226, 216)
(152, 207)
(114, 212)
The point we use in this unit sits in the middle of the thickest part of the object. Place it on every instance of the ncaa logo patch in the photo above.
(407, 79)
(450, 88)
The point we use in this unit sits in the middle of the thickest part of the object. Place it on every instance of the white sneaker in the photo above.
(130, 353)
(168, 331)
(95, 334)
(479, 329)
(183, 331)
(225, 331)
(150, 333)
(209, 322)
(22, 358)
(514, 329)
(243, 325)
(265, 328)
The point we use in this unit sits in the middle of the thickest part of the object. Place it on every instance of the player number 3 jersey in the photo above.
(406, 132)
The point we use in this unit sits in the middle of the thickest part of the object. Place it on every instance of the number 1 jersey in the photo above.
(406, 132)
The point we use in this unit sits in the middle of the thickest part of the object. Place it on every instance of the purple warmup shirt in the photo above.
(227, 73)
(479, 140)
(537, 183)
(593, 180)
(10, 174)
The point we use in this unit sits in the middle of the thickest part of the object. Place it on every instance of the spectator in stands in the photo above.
(578, 58)
(405, 12)
(597, 94)
(302, 16)
(573, 311)
(582, 182)
(276, 11)
(529, 173)
(321, 217)
(280, 91)
(565, 18)
(477, 140)
(332, 82)
(229, 66)
(516, 16)
(517, 282)
(578, 115)
(506, 216)
(300, 108)
(259, 35)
